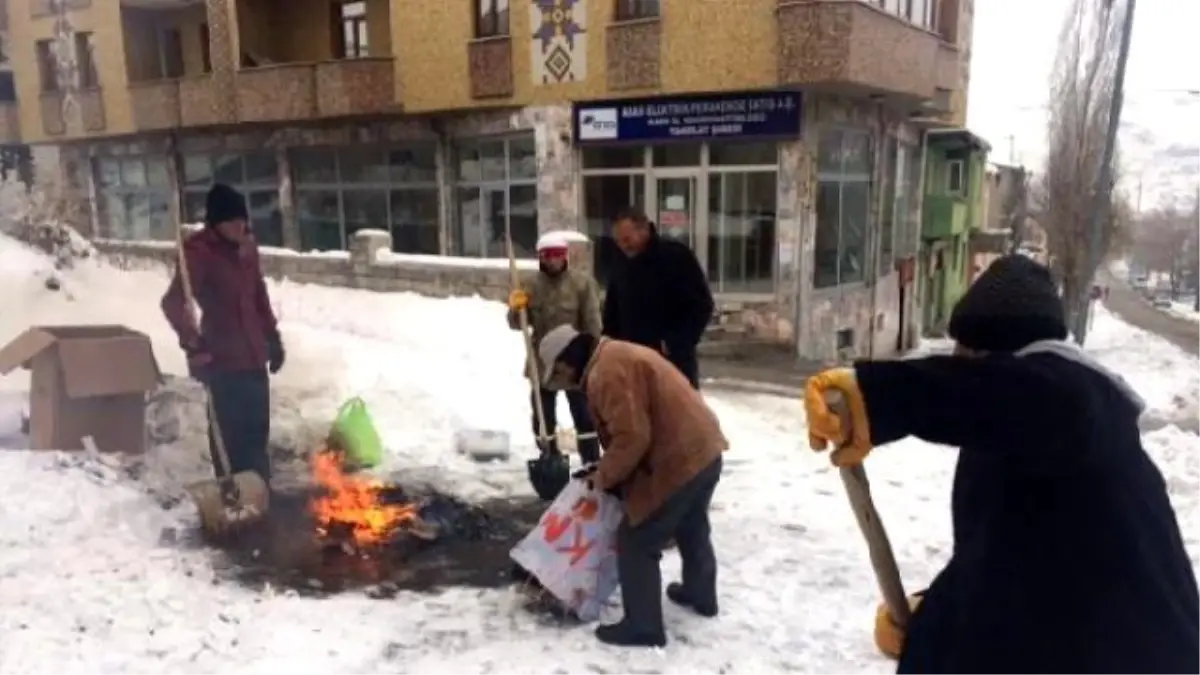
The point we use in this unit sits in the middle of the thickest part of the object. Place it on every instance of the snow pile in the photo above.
(39, 218)
(1163, 374)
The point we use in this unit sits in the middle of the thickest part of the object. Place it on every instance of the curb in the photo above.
(741, 386)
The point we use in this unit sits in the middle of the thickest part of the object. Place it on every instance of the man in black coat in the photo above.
(658, 296)
(1067, 555)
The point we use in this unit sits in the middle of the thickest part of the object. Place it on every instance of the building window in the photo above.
(47, 66)
(921, 12)
(351, 37)
(341, 191)
(891, 207)
(170, 56)
(205, 49)
(628, 10)
(844, 166)
(255, 175)
(491, 18)
(497, 188)
(135, 194)
(718, 198)
(910, 191)
(85, 60)
(741, 231)
(956, 177)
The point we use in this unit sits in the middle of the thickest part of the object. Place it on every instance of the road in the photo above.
(1133, 309)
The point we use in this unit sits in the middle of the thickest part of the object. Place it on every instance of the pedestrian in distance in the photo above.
(1067, 554)
(237, 341)
(662, 458)
(658, 296)
(558, 295)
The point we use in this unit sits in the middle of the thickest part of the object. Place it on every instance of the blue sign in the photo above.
(739, 115)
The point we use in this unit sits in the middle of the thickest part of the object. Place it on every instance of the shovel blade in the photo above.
(230, 502)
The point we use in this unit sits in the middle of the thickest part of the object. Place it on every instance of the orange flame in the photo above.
(353, 502)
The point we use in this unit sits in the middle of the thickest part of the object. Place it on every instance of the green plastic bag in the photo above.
(354, 433)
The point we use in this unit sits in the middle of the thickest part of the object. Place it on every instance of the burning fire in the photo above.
(353, 503)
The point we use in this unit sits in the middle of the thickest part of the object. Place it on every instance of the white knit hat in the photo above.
(552, 347)
(552, 240)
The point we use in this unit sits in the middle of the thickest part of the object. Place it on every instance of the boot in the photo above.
(621, 635)
(679, 595)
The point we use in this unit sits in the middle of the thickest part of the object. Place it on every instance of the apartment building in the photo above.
(14, 155)
(780, 138)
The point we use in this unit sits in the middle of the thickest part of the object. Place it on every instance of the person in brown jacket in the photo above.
(663, 448)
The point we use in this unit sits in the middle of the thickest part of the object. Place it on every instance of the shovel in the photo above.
(232, 500)
(883, 560)
(550, 472)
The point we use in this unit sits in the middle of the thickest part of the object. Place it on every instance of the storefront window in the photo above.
(909, 220)
(844, 165)
(741, 232)
(255, 175)
(136, 197)
(892, 206)
(497, 190)
(717, 198)
(342, 190)
(604, 197)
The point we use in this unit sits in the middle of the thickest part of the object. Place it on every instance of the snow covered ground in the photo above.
(89, 584)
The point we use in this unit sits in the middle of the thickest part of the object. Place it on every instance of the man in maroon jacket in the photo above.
(237, 340)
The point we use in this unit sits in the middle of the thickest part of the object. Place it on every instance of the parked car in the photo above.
(1162, 301)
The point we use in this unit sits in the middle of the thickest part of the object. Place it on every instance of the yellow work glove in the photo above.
(518, 300)
(889, 637)
(843, 426)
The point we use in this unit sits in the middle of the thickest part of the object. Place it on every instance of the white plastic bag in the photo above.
(573, 549)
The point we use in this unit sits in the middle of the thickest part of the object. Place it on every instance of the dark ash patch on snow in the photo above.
(471, 550)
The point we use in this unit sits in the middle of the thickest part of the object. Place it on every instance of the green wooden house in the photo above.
(953, 207)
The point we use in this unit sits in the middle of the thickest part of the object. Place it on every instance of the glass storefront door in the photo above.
(676, 203)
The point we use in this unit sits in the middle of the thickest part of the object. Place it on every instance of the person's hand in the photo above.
(518, 300)
(837, 416)
(199, 361)
(275, 353)
(889, 637)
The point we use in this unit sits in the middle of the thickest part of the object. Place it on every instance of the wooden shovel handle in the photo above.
(189, 299)
(883, 560)
(530, 354)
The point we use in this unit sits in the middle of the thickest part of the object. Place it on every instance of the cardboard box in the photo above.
(86, 381)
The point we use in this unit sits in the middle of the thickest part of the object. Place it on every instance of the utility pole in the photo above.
(1102, 195)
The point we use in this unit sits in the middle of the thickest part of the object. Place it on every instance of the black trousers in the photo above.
(585, 427)
(242, 401)
(689, 364)
(683, 517)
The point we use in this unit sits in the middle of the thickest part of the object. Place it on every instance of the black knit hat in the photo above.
(222, 204)
(1011, 305)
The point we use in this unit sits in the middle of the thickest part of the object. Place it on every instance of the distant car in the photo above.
(1162, 302)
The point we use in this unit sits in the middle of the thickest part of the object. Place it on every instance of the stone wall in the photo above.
(368, 265)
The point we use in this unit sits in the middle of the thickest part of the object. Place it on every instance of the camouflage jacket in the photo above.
(571, 297)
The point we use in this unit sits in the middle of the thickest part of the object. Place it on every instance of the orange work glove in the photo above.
(889, 637)
(844, 425)
(518, 300)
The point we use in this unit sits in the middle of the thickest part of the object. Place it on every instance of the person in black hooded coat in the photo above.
(658, 295)
(1067, 554)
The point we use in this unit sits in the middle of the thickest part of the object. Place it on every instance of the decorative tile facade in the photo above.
(559, 44)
